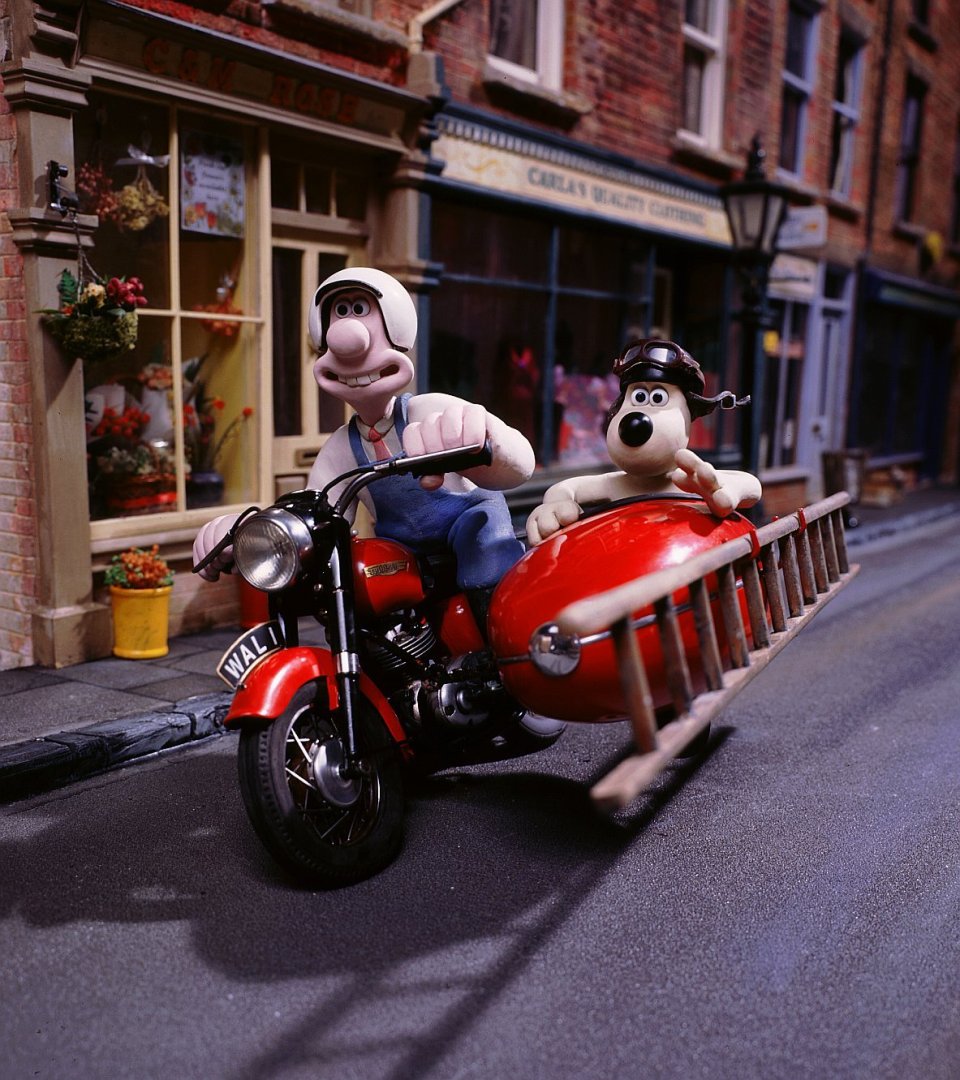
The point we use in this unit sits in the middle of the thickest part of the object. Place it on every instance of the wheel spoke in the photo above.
(293, 774)
(340, 820)
(302, 746)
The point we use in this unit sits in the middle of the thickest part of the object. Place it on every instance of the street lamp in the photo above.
(755, 208)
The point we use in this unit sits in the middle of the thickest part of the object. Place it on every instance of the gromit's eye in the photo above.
(639, 397)
(659, 396)
(360, 308)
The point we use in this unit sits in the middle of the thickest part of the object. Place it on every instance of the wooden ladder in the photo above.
(788, 569)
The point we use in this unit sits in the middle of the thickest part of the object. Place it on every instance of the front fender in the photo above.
(272, 684)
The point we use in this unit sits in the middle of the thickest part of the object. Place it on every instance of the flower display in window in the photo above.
(199, 421)
(136, 205)
(222, 306)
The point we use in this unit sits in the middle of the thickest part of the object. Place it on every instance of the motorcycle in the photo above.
(406, 683)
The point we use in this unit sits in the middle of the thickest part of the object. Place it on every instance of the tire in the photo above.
(323, 829)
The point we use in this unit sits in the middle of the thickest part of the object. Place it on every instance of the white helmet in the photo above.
(396, 305)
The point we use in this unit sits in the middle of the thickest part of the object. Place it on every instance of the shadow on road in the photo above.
(495, 860)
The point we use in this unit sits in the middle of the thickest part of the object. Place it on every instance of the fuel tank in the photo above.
(385, 576)
(597, 553)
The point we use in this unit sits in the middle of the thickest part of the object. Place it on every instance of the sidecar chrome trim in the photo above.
(589, 639)
(603, 635)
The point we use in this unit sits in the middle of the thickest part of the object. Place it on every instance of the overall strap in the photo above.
(400, 414)
(356, 441)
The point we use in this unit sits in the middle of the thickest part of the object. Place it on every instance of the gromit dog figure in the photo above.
(647, 430)
(362, 323)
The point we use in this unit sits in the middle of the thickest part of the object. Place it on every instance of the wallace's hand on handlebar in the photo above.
(442, 461)
(212, 547)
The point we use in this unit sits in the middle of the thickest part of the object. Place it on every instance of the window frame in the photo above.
(711, 45)
(548, 73)
(847, 114)
(108, 534)
(800, 85)
(910, 148)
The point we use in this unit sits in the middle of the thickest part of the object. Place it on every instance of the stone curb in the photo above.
(867, 534)
(38, 765)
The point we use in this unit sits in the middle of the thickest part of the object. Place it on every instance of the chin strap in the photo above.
(703, 406)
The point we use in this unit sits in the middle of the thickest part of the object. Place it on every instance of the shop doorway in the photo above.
(303, 416)
(822, 424)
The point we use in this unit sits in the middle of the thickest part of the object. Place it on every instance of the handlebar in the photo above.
(433, 464)
(463, 457)
(440, 461)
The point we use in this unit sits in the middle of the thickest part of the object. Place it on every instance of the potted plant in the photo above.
(205, 482)
(140, 585)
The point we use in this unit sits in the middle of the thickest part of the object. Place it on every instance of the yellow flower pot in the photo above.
(141, 619)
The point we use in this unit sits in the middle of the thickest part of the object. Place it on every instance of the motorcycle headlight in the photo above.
(272, 549)
(552, 652)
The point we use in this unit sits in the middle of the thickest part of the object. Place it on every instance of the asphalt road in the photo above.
(787, 907)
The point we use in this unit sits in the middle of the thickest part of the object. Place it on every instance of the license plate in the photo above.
(247, 651)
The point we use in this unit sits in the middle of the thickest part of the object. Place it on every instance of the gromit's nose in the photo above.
(635, 429)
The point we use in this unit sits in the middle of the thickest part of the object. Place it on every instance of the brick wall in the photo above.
(17, 521)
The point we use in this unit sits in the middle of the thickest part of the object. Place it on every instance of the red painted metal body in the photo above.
(593, 555)
(385, 577)
(271, 685)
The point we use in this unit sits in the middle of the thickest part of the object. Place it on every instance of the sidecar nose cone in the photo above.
(635, 429)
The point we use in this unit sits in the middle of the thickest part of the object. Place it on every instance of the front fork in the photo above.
(343, 643)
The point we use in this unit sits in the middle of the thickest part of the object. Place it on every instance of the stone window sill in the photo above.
(335, 18)
(528, 98)
(710, 158)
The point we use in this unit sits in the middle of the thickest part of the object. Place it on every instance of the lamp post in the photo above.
(755, 208)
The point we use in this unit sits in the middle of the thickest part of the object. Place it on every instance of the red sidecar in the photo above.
(578, 679)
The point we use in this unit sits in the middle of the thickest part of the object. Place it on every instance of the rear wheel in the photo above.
(323, 825)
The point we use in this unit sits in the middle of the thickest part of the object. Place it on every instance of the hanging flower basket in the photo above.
(91, 337)
(95, 320)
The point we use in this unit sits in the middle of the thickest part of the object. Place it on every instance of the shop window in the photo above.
(798, 74)
(171, 421)
(492, 246)
(908, 160)
(846, 113)
(528, 319)
(704, 40)
(784, 350)
(297, 184)
(526, 40)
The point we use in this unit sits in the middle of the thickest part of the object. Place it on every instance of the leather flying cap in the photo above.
(657, 360)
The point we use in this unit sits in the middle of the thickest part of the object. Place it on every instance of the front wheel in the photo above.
(321, 824)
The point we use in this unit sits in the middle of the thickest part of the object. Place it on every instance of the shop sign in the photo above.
(793, 278)
(212, 184)
(499, 163)
(164, 58)
(803, 227)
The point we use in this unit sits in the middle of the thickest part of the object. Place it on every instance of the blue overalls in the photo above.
(475, 524)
